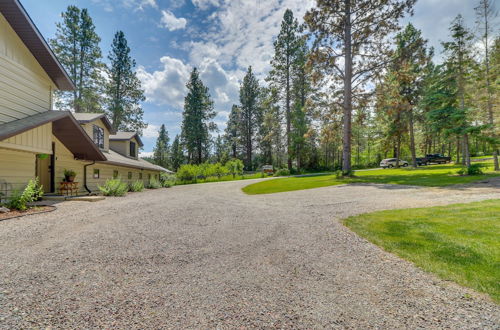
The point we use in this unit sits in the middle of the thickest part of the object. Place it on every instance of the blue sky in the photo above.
(221, 37)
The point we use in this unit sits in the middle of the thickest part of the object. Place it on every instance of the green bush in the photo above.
(220, 170)
(235, 167)
(154, 184)
(114, 187)
(167, 180)
(473, 169)
(136, 186)
(19, 200)
(282, 172)
(187, 173)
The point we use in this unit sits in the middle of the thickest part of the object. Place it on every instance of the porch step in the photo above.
(73, 198)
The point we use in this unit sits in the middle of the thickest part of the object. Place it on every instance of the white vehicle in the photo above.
(391, 162)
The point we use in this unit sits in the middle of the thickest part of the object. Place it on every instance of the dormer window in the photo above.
(98, 136)
(132, 149)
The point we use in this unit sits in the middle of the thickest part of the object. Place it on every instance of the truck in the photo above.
(437, 159)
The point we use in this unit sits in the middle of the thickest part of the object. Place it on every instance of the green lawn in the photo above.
(457, 242)
(431, 176)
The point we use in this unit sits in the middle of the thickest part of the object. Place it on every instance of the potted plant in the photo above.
(69, 175)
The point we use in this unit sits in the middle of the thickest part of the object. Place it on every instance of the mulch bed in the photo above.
(30, 211)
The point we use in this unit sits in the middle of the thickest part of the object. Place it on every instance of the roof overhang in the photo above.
(102, 117)
(64, 127)
(22, 24)
(135, 136)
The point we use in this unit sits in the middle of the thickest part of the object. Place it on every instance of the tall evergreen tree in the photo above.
(349, 45)
(196, 119)
(270, 132)
(231, 134)
(176, 154)
(286, 48)
(486, 15)
(162, 148)
(460, 61)
(124, 92)
(76, 45)
(410, 60)
(249, 115)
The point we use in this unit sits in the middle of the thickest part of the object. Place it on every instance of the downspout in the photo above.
(85, 176)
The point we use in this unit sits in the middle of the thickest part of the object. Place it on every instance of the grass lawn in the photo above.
(431, 176)
(457, 242)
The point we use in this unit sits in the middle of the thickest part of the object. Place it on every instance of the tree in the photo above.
(76, 45)
(231, 135)
(486, 15)
(196, 119)
(270, 131)
(460, 61)
(410, 60)
(348, 43)
(249, 114)
(286, 47)
(176, 154)
(124, 90)
(161, 150)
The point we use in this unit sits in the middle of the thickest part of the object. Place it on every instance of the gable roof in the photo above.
(22, 24)
(86, 117)
(124, 136)
(64, 127)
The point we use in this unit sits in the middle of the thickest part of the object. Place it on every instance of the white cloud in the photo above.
(146, 153)
(151, 131)
(172, 23)
(167, 85)
(205, 4)
(109, 5)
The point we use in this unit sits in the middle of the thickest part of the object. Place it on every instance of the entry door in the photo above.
(45, 171)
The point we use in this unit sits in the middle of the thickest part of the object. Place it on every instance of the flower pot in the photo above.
(70, 178)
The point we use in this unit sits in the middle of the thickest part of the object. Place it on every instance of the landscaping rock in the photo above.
(4, 209)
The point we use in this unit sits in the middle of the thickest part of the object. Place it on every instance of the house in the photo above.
(37, 141)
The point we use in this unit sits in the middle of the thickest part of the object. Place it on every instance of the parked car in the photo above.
(422, 161)
(437, 158)
(392, 162)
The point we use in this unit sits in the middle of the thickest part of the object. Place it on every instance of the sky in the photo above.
(220, 37)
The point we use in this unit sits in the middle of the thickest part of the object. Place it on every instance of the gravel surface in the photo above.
(209, 256)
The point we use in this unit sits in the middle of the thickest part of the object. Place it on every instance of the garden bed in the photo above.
(32, 210)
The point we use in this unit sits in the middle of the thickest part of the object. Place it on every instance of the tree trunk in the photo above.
(398, 151)
(458, 150)
(466, 150)
(412, 141)
(346, 150)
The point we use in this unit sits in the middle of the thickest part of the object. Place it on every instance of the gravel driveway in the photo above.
(208, 256)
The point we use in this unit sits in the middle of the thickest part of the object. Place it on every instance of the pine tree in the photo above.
(486, 15)
(76, 45)
(410, 60)
(161, 150)
(286, 48)
(124, 92)
(348, 44)
(176, 154)
(460, 61)
(196, 119)
(231, 134)
(249, 115)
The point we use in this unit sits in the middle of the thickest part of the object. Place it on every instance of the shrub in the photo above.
(19, 200)
(136, 186)
(219, 170)
(282, 172)
(187, 173)
(154, 184)
(235, 167)
(474, 169)
(167, 180)
(114, 187)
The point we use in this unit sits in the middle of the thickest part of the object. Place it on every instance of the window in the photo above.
(96, 173)
(149, 176)
(98, 136)
(115, 174)
(132, 149)
(140, 176)
(130, 175)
